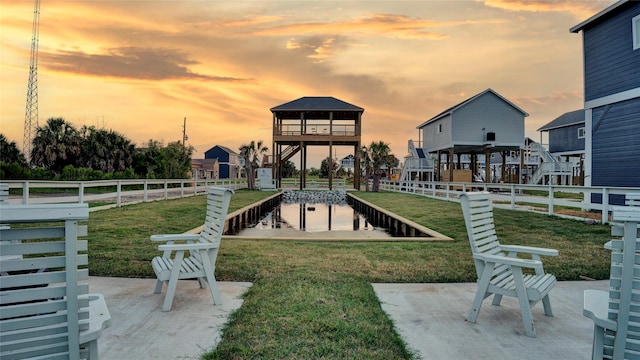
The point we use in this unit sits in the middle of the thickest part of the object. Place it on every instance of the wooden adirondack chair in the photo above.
(616, 314)
(46, 311)
(498, 268)
(201, 251)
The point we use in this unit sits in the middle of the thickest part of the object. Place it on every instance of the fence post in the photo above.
(25, 193)
(550, 206)
(605, 205)
(513, 197)
(182, 188)
(166, 189)
(80, 192)
(118, 193)
(145, 189)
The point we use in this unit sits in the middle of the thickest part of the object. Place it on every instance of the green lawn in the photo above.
(312, 300)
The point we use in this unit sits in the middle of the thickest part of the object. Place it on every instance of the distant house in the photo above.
(228, 162)
(566, 134)
(205, 169)
(348, 162)
(485, 123)
(611, 43)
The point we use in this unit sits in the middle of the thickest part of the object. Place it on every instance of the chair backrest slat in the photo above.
(478, 215)
(218, 199)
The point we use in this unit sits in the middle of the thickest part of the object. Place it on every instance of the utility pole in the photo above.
(184, 132)
(31, 111)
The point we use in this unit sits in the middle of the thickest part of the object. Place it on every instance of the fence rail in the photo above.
(111, 192)
(519, 196)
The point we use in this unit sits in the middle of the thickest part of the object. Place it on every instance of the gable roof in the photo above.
(450, 110)
(224, 148)
(566, 119)
(599, 16)
(323, 103)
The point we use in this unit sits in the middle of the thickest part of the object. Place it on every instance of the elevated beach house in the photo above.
(483, 124)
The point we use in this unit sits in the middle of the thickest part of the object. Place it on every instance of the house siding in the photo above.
(494, 115)
(616, 145)
(433, 140)
(217, 153)
(611, 42)
(566, 139)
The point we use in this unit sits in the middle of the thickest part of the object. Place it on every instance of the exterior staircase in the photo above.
(417, 164)
(550, 168)
(287, 153)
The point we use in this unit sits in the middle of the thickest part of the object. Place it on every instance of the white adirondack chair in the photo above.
(616, 314)
(46, 311)
(201, 250)
(499, 269)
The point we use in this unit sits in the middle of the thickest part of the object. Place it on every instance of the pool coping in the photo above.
(434, 236)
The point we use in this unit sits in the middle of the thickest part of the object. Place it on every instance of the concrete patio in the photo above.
(430, 317)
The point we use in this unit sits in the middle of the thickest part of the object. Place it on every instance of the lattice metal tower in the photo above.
(31, 111)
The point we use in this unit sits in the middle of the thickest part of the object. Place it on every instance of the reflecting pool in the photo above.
(291, 219)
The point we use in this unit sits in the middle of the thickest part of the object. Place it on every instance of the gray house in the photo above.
(611, 42)
(486, 123)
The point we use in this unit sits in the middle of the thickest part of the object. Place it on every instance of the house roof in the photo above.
(224, 148)
(566, 119)
(599, 16)
(318, 103)
(450, 110)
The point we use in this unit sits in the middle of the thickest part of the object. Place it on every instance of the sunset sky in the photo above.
(140, 67)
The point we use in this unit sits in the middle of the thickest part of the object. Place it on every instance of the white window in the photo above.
(635, 25)
(581, 133)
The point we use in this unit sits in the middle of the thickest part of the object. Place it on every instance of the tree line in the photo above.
(60, 151)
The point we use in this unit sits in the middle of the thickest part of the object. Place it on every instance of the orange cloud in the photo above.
(580, 8)
(398, 26)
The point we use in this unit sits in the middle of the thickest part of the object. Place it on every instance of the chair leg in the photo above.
(203, 282)
(497, 298)
(173, 281)
(546, 303)
(597, 351)
(208, 270)
(481, 294)
(158, 288)
(525, 305)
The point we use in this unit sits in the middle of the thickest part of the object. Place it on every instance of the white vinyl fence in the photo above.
(537, 198)
(111, 192)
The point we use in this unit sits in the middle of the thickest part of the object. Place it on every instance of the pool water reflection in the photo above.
(314, 218)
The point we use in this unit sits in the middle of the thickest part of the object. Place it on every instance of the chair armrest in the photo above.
(175, 237)
(178, 247)
(529, 250)
(526, 263)
(99, 318)
(596, 308)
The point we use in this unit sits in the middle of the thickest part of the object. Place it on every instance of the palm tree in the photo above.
(106, 150)
(380, 156)
(251, 153)
(9, 152)
(365, 164)
(56, 145)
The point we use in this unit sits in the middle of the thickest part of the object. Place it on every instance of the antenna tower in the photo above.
(31, 111)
